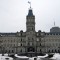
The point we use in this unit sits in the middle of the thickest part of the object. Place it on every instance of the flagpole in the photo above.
(29, 3)
(54, 23)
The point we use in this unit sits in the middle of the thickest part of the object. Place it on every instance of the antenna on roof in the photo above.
(54, 23)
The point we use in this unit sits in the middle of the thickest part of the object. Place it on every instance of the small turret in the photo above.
(55, 30)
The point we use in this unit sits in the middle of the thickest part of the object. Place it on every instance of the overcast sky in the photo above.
(13, 14)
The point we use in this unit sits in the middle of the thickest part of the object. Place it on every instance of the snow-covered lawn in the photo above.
(55, 56)
(21, 56)
(4, 57)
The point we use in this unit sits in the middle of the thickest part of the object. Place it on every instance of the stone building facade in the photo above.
(31, 41)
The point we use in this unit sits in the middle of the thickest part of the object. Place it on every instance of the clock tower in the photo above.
(30, 21)
(30, 32)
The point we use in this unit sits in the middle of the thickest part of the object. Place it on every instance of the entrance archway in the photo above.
(31, 49)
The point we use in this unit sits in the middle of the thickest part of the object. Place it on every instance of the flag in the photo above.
(29, 3)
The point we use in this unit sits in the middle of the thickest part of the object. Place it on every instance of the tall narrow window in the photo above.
(28, 38)
(12, 51)
(40, 50)
(21, 39)
(21, 44)
(40, 44)
(21, 50)
(32, 28)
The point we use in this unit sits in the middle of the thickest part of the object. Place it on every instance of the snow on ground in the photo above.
(39, 57)
(5, 54)
(4, 57)
(55, 56)
(42, 56)
(31, 58)
(21, 56)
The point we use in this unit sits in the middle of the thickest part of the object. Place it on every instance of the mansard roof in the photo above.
(55, 30)
(30, 12)
(52, 33)
(21, 33)
(7, 34)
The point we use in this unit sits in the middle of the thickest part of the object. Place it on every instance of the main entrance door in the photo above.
(31, 51)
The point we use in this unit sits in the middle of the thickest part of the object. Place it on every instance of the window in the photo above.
(5, 51)
(14, 45)
(32, 28)
(52, 51)
(28, 44)
(49, 51)
(9, 51)
(12, 51)
(40, 44)
(40, 50)
(21, 39)
(21, 50)
(40, 39)
(28, 38)
(14, 40)
(21, 34)
(55, 51)
(21, 44)
(32, 39)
